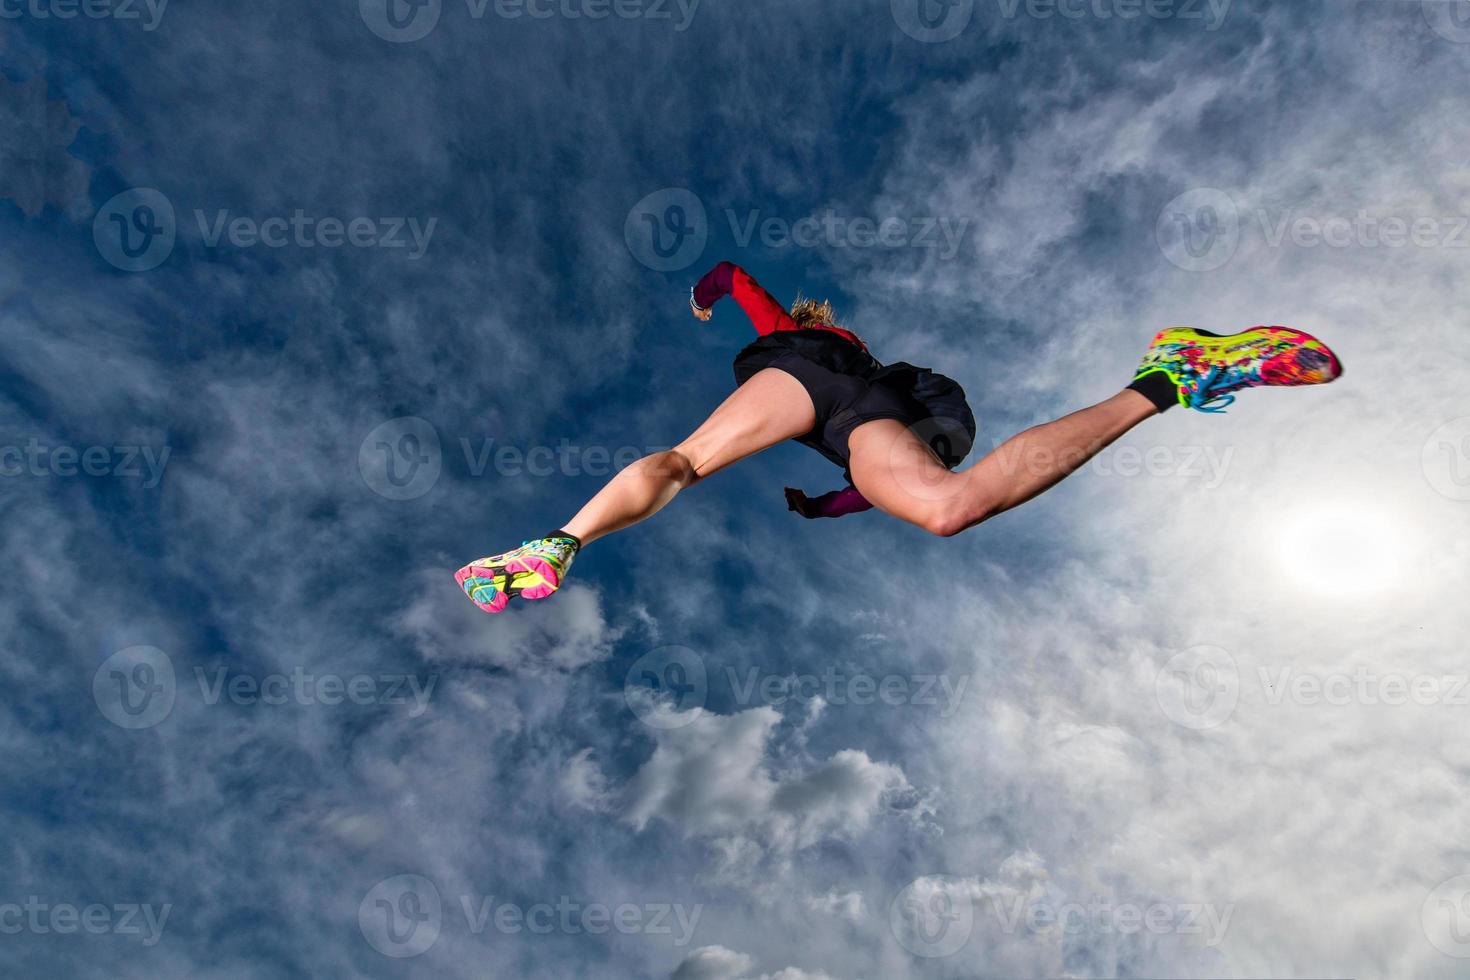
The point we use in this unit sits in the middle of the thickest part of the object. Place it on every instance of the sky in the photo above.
(303, 306)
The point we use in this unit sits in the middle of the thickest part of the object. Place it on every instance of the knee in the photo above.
(674, 464)
(948, 521)
(942, 525)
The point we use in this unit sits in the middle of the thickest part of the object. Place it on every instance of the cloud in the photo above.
(712, 776)
(713, 963)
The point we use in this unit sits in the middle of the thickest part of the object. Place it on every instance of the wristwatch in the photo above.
(695, 306)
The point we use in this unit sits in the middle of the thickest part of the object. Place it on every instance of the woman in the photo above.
(897, 430)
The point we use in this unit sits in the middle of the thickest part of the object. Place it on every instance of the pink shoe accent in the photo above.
(551, 581)
(495, 605)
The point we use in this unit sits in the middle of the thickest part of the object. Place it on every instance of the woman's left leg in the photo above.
(901, 476)
(769, 408)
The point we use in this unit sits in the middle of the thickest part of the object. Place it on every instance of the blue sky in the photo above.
(253, 730)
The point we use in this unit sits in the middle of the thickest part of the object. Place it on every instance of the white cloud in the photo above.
(712, 776)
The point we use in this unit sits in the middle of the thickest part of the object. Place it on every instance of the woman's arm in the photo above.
(728, 279)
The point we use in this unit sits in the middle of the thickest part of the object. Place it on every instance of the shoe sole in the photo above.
(525, 578)
(497, 602)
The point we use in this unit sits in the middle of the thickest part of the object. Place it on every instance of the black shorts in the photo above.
(848, 387)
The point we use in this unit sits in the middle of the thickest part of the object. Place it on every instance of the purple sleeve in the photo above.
(840, 503)
(715, 286)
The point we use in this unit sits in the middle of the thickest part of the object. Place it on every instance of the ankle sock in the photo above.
(1158, 388)
(558, 533)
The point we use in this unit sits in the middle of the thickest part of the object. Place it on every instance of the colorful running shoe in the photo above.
(533, 571)
(1207, 368)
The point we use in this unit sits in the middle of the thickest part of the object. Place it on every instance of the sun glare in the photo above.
(1344, 550)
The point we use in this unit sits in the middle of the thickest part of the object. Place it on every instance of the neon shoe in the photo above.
(1206, 367)
(533, 571)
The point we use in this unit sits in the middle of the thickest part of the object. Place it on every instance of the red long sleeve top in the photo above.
(766, 315)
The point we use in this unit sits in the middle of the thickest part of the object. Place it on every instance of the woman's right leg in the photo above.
(769, 408)
(901, 476)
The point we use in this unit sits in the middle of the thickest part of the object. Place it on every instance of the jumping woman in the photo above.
(897, 430)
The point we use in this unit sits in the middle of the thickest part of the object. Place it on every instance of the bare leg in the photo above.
(895, 470)
(769, 408)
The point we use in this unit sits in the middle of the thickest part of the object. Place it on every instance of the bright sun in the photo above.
(1344, 550)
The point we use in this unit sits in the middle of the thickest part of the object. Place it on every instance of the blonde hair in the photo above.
(809, 313)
